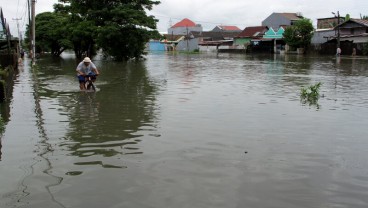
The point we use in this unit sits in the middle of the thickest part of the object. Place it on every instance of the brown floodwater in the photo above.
(190, 131)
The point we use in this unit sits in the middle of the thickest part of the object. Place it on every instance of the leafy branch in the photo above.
(310, 94)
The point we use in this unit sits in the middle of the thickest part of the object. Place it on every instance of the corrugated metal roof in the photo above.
(215, 35)
(361, 21)
(169, 37)
(253, 31)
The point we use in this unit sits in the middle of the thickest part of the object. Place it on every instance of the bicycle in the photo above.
(89, 86)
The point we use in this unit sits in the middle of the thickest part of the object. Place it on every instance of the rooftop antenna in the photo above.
(170, 23)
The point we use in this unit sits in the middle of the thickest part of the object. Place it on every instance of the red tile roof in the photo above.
(184, 23)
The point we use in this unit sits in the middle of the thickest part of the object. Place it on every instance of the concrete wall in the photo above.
(156, 46)
(319, 36)
(208, 48)
(188, 45)
(241, 41)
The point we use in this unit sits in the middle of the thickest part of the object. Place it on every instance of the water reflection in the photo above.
(112, 121)
(234, 103)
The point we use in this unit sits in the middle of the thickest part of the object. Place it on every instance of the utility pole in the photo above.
(19, 36)
(33, 32)
(187, 37)
(338, 28)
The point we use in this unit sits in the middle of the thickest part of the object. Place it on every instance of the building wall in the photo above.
(352, 29)
(320, 36)
(188, 45)
(328, 23)
(275, 21)
(216, 29)
(208, 48)
(241, 41)
(156, 46)
(183, 30)
(361, 39)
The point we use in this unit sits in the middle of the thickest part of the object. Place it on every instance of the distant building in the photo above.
(184, 27)
(224, 28)
(328, 23)
(353, 27)
(353, 35)
(323, 35)
(325, 30)
(213, 41)
(277, 20)
(249, 33)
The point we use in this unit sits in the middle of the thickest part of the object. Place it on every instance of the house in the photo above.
(272, 41)
(212, 41)
(244, 38)
(276, 20)
(184, 27)
(353, 27)
(224, 28)
(352, 33)
(325, 30)
(322, 35)
(272, 34)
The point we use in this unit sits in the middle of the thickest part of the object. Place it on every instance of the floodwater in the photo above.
(188, 131)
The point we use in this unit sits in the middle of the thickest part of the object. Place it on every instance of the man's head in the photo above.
(86, 61)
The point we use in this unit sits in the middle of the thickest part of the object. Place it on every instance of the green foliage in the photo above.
(52, 32)
(2, 125)
(365, 17)
(300, 34)
(83, 34)
(310, 94)
(347, 17)
(120, 28)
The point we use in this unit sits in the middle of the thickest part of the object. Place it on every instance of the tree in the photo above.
(51, 29)
(300, 34)
(83, 37)
(120, 28)
(347, 17)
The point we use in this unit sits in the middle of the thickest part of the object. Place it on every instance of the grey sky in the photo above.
(210, 13)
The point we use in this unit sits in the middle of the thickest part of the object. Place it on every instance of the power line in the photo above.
(19, 35)
(197, 21)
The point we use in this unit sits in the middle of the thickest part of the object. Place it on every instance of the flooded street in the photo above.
(188, 131)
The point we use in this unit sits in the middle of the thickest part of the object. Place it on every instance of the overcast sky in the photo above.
(210, 13)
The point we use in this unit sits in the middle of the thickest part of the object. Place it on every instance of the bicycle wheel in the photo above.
(90, 86)
(93, 87)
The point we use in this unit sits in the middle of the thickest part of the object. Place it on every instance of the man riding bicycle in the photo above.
(86, 68)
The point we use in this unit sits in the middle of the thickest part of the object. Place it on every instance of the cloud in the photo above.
(210, 13)
(241, 13)
(18, 10)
